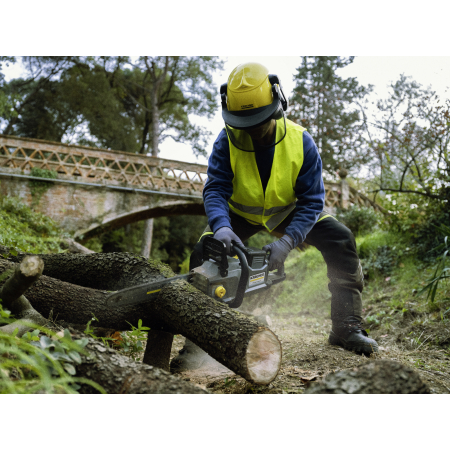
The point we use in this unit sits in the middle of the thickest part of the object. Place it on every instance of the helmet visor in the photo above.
(244, 139)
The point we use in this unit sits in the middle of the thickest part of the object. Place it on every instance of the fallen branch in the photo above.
(22, 277)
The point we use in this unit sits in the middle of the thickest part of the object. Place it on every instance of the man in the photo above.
(265, 173)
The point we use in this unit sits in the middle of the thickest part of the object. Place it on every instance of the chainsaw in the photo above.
(227, 279)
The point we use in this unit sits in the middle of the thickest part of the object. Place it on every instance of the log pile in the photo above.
(74, 287)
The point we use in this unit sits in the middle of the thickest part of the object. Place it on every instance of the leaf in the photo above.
(60, 356)
(67, 334)
(74, 356)
(82, 342)
(69, 369)
(46, 342)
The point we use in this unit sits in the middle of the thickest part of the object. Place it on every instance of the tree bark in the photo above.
(157, 351)
(238, 342)
(376, 377)
(74, 247)
(119, 374)
(107, 271)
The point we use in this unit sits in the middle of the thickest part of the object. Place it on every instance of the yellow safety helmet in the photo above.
(251, 97)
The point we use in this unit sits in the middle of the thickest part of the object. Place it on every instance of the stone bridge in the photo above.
(97, 189)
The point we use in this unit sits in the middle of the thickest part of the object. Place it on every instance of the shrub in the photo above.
(360, 219)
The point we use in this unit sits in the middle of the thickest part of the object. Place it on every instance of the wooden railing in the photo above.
(21, 155)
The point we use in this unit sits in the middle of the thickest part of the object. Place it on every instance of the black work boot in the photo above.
(353, 337)
(190, 357)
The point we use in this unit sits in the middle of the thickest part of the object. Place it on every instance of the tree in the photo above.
(22, 93)
(409, 139)
(6, 108)
(114, 102)
(324, 103)
(171, 89)
(411, 142)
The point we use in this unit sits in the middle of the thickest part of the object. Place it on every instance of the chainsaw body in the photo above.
(228, 279)
(224, 278)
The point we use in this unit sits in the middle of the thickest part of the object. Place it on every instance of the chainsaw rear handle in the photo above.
(238, 249)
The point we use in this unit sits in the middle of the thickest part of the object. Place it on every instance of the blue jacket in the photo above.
(309, 189)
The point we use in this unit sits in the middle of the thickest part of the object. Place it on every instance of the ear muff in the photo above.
(223, 95)
(276, 87)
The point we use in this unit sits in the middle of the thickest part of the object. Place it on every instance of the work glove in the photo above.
(279, 251)
(226, 235)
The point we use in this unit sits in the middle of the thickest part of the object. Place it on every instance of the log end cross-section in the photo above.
(263, 357)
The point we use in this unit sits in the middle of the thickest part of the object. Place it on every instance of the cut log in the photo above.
(78, 305)
(238, 342)
(107, 271)
(118, 374)
(22, 276)
(376, 377)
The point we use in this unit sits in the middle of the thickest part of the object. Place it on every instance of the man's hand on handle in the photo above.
(226, 235)
(279, 251)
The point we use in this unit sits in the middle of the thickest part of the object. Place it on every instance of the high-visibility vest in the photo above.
(248, 199)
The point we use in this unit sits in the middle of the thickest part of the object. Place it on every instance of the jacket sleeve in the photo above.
(310, 192)
(219, 186)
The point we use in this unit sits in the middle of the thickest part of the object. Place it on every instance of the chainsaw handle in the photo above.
(237, 248)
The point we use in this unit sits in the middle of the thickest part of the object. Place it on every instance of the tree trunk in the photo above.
(157, 351)
(146, 246)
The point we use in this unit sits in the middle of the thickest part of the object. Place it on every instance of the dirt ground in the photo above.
(419, 341)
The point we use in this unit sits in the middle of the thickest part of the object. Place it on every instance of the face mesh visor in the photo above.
(242, 140)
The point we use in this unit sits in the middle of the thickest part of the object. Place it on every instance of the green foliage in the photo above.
(6, 105)
(380, 253)
(409, 140)
(173, 239)
(39, 188)
(132, 341)
(442, 271)
(416, 218)
(23, 229)
(360, 219)
(41, 362)
(111, 102)
(324, 103)
(259, 240)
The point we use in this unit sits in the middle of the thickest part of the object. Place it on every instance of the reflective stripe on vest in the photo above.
(248, 199)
